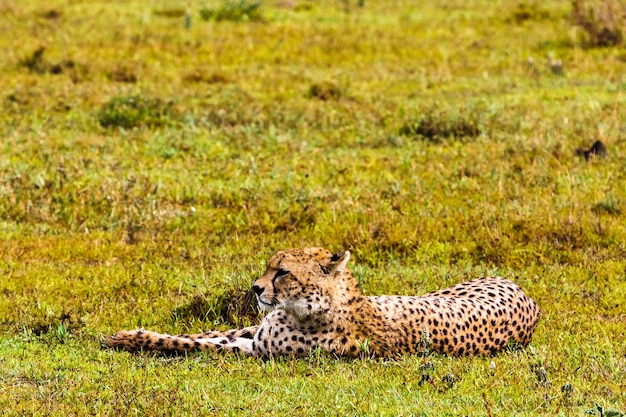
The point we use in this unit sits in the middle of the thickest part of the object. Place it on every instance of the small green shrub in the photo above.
(609, 206)
(604, 21)
(135, 111)
(603, 412)
(234, 11)
(436, 125)
(304, 7)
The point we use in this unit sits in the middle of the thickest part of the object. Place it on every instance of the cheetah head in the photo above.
(303, 282)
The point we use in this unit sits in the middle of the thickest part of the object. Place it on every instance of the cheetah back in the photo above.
(476, 317)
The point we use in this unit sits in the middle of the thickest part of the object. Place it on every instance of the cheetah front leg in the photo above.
(246, 333)
(235, 341)
(282, 334)
(237, 345)
(134, 340)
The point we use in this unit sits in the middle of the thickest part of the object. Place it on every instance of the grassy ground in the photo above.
(147, 171)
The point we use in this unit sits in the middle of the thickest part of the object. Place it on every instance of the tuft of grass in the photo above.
(303, 6)
(124, 74)
(528, 12)
(325, 91)
(200, 75)
(36, 63)
(170, 13)
(436, 125)
(604, 21)
(51, 14)
(135, 111)
(600, 411)
(234, 11)
(610, 206)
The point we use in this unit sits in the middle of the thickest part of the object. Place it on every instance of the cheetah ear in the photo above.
(338, 262)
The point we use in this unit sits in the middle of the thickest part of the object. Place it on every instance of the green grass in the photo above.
(304, 129)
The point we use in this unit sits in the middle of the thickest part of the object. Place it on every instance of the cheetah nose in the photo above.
(258, 290)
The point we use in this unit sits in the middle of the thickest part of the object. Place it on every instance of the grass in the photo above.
(233, 11)
(304, 129)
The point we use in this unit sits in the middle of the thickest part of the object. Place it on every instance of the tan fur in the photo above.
(313, 300)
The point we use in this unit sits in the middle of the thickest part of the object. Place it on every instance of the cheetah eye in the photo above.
(280, 273)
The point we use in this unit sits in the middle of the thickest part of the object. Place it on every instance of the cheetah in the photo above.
(314, 301)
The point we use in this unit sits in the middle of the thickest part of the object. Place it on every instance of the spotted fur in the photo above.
(313, 301)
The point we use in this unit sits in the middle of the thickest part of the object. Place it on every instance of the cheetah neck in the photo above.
(354, 309)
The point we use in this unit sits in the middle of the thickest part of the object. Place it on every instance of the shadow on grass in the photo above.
(234, 307)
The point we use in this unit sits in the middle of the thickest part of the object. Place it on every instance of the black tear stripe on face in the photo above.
(280, 273)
